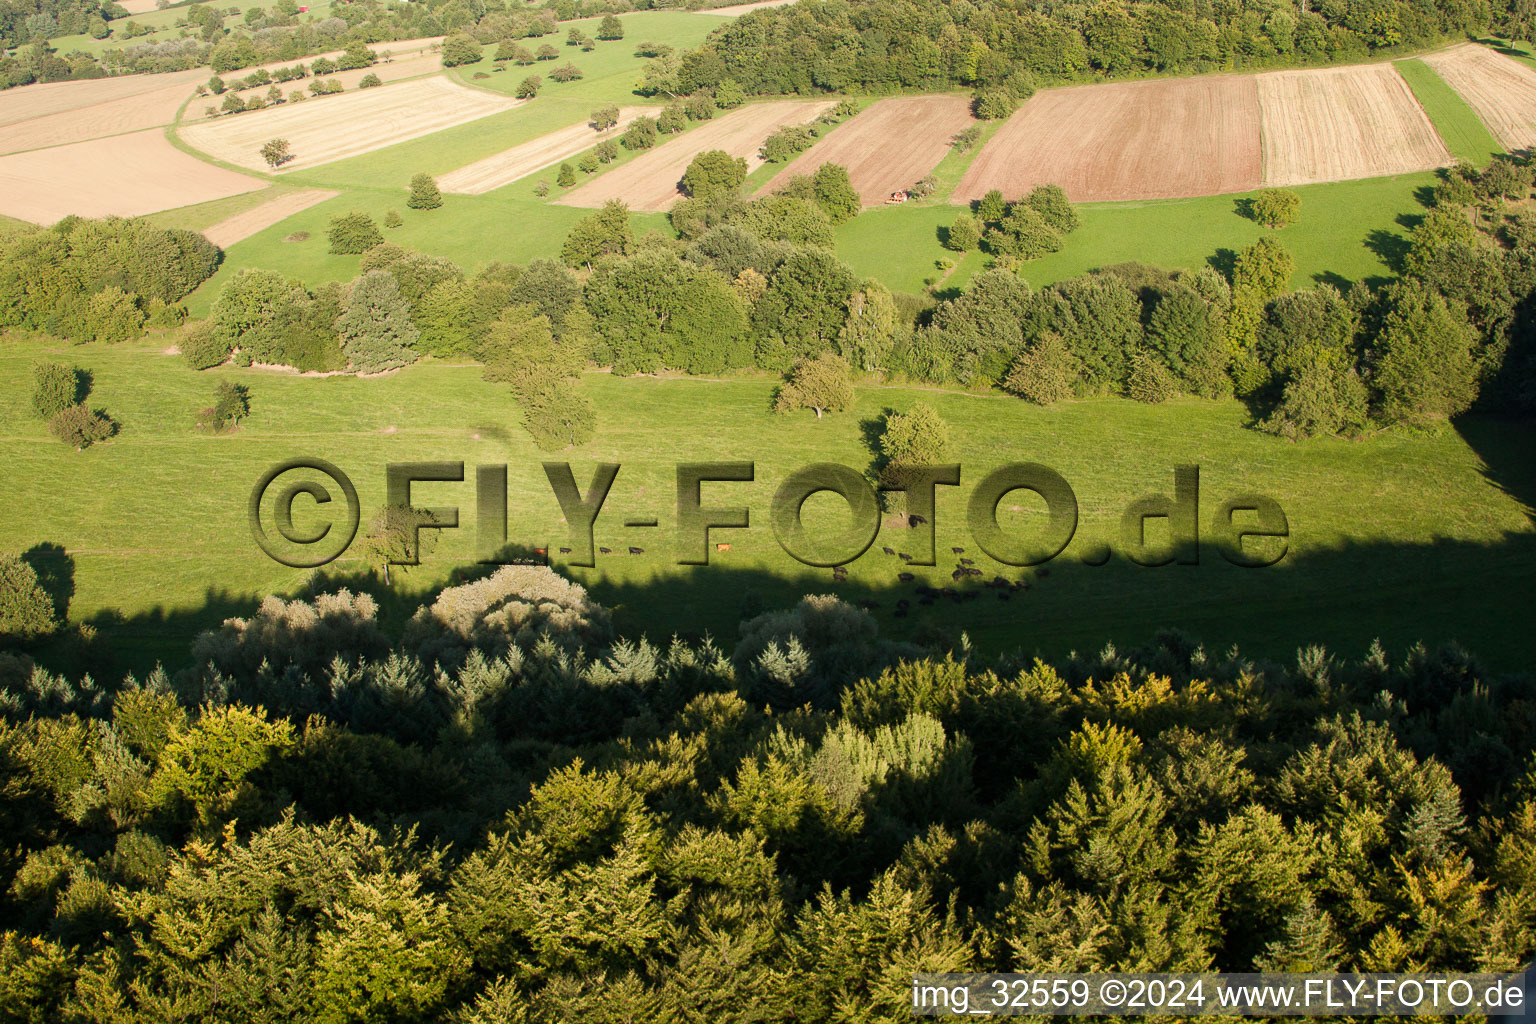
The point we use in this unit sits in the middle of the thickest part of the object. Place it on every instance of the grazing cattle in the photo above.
(722, 547)
(637, 551)
(565, 551)
(966, 561)
(957, 574)
(958, 551)
(906, 557)
(889, 551)
(905, 577)
(915, 520)
(1003, 595)
(606, 551)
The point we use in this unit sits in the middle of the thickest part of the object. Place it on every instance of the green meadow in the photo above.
(1404, 535)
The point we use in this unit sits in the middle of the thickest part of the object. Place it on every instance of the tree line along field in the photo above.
(155, 520)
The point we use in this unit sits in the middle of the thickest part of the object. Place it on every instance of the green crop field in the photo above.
(1402, 536)
(1460, 128)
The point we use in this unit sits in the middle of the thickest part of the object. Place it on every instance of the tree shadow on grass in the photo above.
(1391, 247)
(55, 574)
(1224, 261)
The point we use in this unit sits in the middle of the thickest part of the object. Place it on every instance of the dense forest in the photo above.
(507, 813)
(1011, 46)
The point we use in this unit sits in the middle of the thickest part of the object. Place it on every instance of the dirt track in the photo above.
(246, 223)
(649, 182)
(324, 129)
(738, 9)
(1338, 123)
(507, 166)
(1135, 140)
(145, 174)
(886, 147)
(1502, 91)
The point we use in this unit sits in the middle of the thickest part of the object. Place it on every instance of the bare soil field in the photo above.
(510, 164)
(1502, 91)
(650, 181)
(125, 175)
(735, 9)
(322, 129)
(1333, 124)
(246, 223)
(1136, 140)
(888, 146)
(33, 101)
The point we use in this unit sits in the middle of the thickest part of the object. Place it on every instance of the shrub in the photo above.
(425, 194)
(353, 233)
(993, 105)
(1045, 373)
(201, 349)
(392, 219)
(965, 141)
(1275, 207)
(567, 176)
(112, 315)
(641, 134)
(26, 610)
(55, 387)
(588, 164)
(783, 143)
(566, 73)
(81, 426)
(1150, 380)
(528, 88)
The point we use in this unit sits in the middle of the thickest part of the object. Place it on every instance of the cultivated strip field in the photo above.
(650, 181)
(1502, 91)
(125, 175)
(246, 223)
(410, 67)
(510, 164)
(1339, 123)
(331, 128)
(1135, 140)
(886, 147)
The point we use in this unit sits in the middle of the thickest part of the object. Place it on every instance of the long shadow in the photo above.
(1391, 247)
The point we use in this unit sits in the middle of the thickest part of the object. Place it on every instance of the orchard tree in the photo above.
(821, 384)
(458, 50)
(528, 88)
(425, 194)
(604, 118)
(610, 28)
(713, 175)
(567, 176)
(641, 134)
(276, 152)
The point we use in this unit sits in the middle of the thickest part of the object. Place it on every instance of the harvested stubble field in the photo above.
(737, 9)
(324, 129)
(1502, 91)
(1334, 124)
(36, 101)
(125, 175)
(886, 147)
(247, 222)
(650, 181)
(110, 117)
(1136, 140)
(511, 164)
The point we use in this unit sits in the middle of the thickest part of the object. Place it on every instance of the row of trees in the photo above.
(504, 812)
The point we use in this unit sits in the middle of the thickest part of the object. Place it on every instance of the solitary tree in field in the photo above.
(610, 28)
(821, 384)
(911, 439)
(55, 387)
(964, 234)
(567, 176)
(424, 193)
(604, 118)
(275, 152)
(398, 536)
(1275, 207)
(566, 72)
(354, 233)
(714, 174)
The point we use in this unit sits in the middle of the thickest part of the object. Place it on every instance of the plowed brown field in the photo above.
(1337, 123)
(331, 128)
(507, 166)
(124, 175)
(1135, 140)
(650, 181)
(1502, 91)
(886, 147)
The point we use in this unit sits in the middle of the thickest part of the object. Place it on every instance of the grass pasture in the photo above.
(1402, 536)
(1462, 131)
